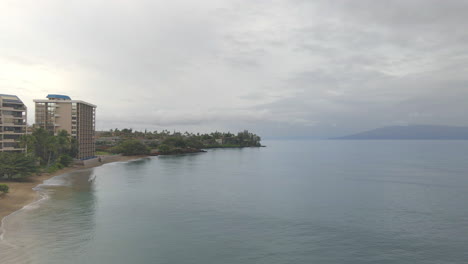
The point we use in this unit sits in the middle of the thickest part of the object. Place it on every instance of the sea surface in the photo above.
(291, 202)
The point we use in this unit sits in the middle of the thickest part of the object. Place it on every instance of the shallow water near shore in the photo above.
(292, 202)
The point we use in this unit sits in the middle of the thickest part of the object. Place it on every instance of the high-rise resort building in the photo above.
(60, 112)
(13, 116)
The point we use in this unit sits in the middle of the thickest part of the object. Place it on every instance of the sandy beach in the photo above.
(22, 193)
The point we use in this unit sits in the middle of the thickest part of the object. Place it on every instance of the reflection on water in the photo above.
(30, 230)
(136, 170)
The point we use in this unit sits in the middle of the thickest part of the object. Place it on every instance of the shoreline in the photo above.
(22, 193)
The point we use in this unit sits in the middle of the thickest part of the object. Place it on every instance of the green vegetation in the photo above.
(4, 188)
(131, 147)
(49, 148)
(102, 153)
(44, 152)
(164, 149)
(16, 165)
(165, 142)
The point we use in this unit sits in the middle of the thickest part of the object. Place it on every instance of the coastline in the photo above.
(22, 193)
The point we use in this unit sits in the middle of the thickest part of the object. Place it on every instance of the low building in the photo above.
(13, 122)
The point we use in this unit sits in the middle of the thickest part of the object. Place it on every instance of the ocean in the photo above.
(291, 202)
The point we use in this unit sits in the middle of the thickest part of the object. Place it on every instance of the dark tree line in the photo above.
(131, 147)
(165, 142)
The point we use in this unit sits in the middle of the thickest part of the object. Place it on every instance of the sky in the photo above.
(279, 68)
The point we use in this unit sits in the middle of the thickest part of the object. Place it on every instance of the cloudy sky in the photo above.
(281, 68)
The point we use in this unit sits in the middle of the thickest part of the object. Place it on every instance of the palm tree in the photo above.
(28, 143)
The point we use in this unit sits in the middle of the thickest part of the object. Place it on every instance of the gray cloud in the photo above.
(284, 68)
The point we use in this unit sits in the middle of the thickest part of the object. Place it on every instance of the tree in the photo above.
(131, 147)
(164, 149)
(65, 160)
(73, 148)
(193, 142)
(16, 165)
(45, 145)
(48, 148)
(177, 142)
(28, 142)
(4, 188)
(63, 142)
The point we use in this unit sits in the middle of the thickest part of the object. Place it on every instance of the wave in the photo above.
(59, 180)
(34, 205)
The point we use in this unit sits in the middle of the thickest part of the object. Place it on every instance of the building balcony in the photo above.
(13, 132)
(12, 149)
(7, 108)
(16, 118)
(13, 108)
(13, 125)
(12, 102)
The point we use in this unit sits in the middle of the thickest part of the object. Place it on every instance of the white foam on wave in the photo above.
(55, 182)
(115, 163)
(59, 180)
(34, 205)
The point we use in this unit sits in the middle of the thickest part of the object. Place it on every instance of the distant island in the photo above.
(130, 142)
(411, 132)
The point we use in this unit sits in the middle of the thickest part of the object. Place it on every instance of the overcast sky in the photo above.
(280, 68)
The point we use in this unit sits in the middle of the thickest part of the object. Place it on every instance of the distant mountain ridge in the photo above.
(415, 132)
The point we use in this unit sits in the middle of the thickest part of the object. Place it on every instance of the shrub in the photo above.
(163, 148)
(4, 188)
(16, 165)
(131, 147)
(52, 169)
(65, 160)
(153, 144)
(177, 142)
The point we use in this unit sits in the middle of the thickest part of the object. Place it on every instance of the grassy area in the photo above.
(101, 153)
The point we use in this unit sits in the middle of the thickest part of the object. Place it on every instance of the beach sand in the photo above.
(22, 193)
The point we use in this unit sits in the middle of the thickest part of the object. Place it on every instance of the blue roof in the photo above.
(58, 96)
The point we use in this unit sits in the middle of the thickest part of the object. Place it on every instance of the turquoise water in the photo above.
(292, 202)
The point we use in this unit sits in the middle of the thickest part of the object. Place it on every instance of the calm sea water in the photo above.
(292, 202)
